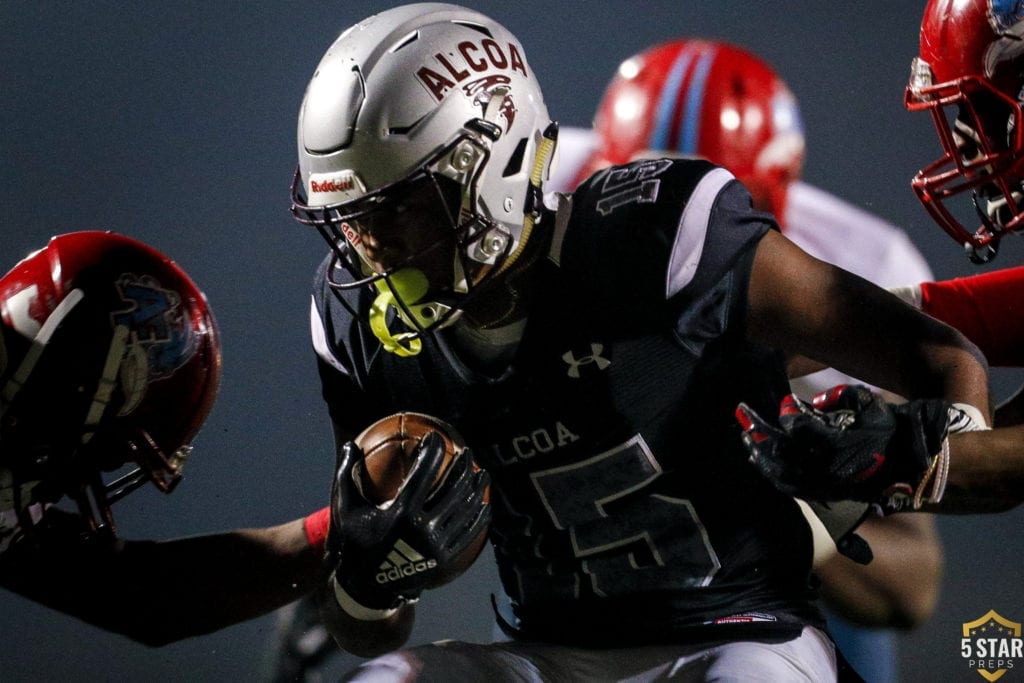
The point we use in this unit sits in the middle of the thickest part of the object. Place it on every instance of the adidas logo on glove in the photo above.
(403, 561)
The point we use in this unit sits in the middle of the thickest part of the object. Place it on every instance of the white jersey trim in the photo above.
(320, 345)
(693, 228)
(562, 205)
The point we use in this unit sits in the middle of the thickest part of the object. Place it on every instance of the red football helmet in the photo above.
(969, 76)
(109, 355)
(707, 99)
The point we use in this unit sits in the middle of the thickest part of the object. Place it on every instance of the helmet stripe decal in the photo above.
(694, 101)
(108, 380)
(42, 338)
(667, 101)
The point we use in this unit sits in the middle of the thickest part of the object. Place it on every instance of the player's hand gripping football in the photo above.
(849, 444)
(415, 535)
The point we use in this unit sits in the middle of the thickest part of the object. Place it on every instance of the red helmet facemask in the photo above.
(109, 356)
(968, 78)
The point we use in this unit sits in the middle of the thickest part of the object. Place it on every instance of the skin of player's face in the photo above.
(416, 231)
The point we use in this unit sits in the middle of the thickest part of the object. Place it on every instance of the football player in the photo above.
(968, 77)
(109, 364)
(592, 348)
(973, 95)
(717, 101)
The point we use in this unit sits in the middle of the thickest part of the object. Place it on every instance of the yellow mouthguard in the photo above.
(411, 285)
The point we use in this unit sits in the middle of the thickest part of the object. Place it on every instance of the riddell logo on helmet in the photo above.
(468, 58)
(336, 186)
(351, 234)
(332, 185)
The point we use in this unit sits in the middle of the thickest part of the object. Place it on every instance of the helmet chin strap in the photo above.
(402, 292)
(541, 167)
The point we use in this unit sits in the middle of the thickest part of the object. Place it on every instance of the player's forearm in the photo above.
(838, 319)
(161, 592)
(917, 356)
(242, 574)
(929, 359)
(964, 374)
(986, 471)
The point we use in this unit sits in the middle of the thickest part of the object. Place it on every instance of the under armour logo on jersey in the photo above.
(595, 357)
(402, 561)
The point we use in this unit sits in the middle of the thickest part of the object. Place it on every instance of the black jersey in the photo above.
(624, 506)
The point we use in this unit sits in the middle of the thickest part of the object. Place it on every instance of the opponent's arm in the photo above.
(988, 308)
(986, 471)
(161, 592)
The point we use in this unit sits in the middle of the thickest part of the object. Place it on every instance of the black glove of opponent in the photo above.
(384, 555)
(848, 445)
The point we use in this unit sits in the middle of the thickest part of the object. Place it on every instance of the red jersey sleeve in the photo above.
(987, 308)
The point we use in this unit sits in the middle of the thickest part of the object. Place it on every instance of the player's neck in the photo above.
(487, 349)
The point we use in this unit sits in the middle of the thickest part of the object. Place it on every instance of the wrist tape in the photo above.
(356, 610)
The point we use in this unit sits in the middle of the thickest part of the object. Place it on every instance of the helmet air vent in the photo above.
(515, 161)
(405, 130)
(407, 40)
(475, 26)
(333, 101)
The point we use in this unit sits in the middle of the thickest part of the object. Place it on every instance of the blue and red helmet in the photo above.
(704, 99)
(109, 356)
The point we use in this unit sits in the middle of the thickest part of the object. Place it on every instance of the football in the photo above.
(389, 446)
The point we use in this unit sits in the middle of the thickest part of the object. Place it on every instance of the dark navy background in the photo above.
(174, 123)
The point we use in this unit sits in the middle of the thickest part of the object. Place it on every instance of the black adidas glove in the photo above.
(385, 555)
(849, 445)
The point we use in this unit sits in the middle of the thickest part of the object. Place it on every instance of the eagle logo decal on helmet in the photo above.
(480, 92)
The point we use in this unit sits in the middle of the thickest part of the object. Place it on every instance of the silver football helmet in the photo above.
(422, 139)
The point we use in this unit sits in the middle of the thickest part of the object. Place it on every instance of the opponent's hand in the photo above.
(841, 520)
(848, 444)
(416, 534)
